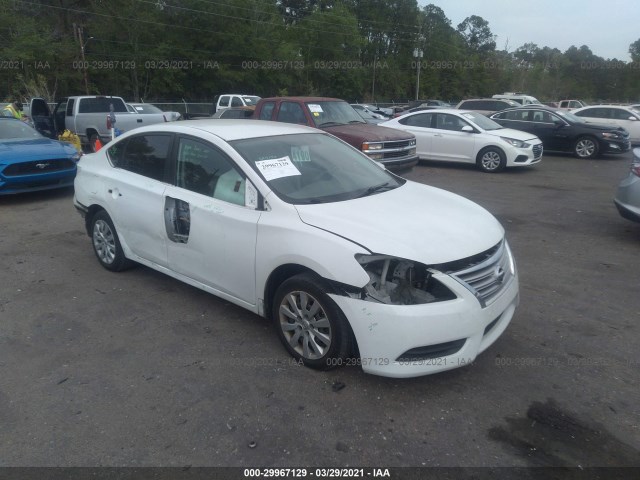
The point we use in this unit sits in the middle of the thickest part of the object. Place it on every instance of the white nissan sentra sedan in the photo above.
(345, 259)
(463, 136)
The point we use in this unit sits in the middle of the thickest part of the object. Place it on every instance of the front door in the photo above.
(211, 222)
(449, 142)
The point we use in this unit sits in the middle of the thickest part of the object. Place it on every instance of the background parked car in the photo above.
(562, 131)
(231, 100)
(469, 137)
(236, 112)
(30, 161)
(486, 106)
(627, 198)
(625, 117)
(370, 109)
(148, 109)
(518, 97)
(570, 105)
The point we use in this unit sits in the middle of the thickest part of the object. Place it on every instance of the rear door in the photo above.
(135, 192)
(420, 125)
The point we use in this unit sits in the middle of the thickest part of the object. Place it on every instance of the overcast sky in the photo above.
(606, 27)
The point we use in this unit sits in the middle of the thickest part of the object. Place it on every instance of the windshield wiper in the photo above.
(376, 188)
(329, 124)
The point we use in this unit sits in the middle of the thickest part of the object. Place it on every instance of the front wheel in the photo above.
(491, 160)
(310, 325)
(106, 244)
(585, 147)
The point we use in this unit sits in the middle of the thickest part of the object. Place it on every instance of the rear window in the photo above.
(101, 105)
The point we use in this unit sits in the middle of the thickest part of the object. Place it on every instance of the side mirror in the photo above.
(467, 128)
(633, 118)
(558, 123)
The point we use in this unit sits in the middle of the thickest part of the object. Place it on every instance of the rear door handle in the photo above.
(139, 120)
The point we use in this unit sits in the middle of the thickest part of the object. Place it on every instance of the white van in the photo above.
(521, 98)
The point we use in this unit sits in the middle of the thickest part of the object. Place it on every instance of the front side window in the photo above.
(224, 101)
(236, 102)
(70, 103)
(204, 169)
(619, 114)
(445, 121)
(146, 155)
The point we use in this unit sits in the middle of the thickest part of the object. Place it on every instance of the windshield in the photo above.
(250, 99)
(365, 114)
(482, 121)
(16, 129)
(146, 108)
(327, 114)
(570, 116)
(314, 168)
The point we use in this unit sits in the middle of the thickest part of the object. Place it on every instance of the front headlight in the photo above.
(396, 281)
(516, 143)
(76, 157)
(368, 146)
(610, 135)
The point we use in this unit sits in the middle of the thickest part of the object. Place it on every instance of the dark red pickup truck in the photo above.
(395, 149)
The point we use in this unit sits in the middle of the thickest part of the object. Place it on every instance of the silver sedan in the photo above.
(628, 196)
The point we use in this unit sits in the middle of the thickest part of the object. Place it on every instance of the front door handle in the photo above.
(139, 120)
(114, 192)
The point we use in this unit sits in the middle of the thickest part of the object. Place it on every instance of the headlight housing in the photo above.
(611, 135)
(396, 281)
(516, 143)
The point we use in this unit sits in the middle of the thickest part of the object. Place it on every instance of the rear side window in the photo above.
(236, 102)
(593, 113)
(291, 112)
(419, 120)
(146, 155)
(224, 101)
(267, 111)
(101, 105)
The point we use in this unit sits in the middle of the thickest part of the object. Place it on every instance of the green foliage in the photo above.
(354, 49)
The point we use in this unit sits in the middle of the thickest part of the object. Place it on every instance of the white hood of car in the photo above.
(511, 133)
(415, 222)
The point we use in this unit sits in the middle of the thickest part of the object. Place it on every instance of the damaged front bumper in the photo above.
(413, 340)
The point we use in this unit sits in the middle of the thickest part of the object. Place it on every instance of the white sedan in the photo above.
(620, 116)
(297, 226)
(469, 137)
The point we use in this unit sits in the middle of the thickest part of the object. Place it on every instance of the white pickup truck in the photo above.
(86, 116)
(231, 100)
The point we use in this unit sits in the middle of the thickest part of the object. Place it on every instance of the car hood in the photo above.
(511, 133)
(34, 149)
(367, 132)
(414, 222)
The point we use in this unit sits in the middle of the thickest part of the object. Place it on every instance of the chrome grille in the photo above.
(399, 144)
(487, 279)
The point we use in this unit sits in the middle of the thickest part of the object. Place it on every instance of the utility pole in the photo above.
(82, 57)
(417, 53)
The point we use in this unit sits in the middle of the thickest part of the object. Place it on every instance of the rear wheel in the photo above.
(491, 160)
(585, 147)
(106, 244)
(310, 325)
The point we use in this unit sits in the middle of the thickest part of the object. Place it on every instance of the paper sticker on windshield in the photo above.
(300, 154)
(314, 108)
(277, 168)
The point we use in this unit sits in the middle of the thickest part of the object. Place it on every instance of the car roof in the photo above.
(228, 129)
(304, 99)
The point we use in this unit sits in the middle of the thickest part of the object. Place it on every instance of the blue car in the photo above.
(30, 162)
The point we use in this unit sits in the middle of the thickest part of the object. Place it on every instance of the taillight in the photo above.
(635, 169)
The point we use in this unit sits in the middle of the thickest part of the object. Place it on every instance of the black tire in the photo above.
(309, 324)
(92, 142)
(106, 244)
(491, 160)
(586, 147)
